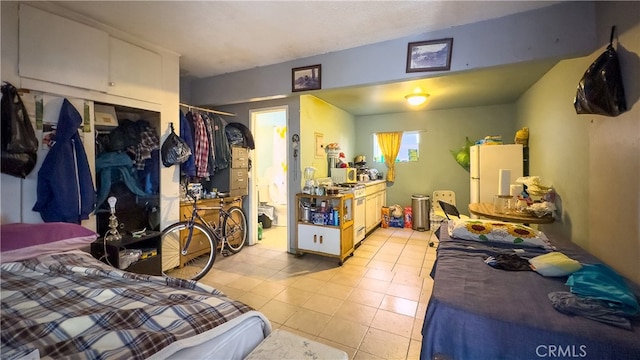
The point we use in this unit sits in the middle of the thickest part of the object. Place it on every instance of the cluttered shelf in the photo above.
(488, 210)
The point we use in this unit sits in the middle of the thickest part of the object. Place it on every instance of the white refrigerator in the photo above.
(486, 162)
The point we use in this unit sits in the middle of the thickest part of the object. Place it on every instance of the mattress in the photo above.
(71, 305)
(479, 312)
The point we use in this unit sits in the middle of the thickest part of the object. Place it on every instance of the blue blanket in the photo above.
(479, 312)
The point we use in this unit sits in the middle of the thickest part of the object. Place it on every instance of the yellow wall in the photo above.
(335, 126)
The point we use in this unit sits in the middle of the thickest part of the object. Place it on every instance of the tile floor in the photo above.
(372, 307)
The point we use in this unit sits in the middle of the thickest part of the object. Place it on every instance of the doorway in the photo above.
(269, 176)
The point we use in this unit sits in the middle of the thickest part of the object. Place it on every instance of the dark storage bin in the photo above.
(264, 219)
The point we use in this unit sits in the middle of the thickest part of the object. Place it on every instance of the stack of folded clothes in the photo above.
(598, 293)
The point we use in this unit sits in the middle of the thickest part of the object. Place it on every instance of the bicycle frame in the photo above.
(215, 231)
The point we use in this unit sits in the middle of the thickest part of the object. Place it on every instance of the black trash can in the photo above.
(264, 219)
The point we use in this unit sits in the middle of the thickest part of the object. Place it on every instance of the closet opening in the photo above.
(269, 185)
(127, 155)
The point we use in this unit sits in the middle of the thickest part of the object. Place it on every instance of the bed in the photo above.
(479, 312)
(60, 302)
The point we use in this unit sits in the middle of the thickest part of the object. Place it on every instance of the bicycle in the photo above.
(189, 246)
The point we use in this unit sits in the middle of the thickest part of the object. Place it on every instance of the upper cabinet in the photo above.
(58, 50)
(62, 51)
(134, 72)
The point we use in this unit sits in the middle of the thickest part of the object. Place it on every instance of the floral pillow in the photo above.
(498, 231)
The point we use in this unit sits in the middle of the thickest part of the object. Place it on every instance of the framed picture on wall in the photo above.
(306, 78)
(432, 55)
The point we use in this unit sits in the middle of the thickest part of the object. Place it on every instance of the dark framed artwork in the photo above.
(306, 78)
(432, 55)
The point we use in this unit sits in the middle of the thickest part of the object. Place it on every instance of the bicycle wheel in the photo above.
(200, 254)
(235, 229)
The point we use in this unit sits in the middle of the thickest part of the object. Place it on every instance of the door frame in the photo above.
(253, 189)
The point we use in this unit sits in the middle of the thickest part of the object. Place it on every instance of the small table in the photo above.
(487, 210)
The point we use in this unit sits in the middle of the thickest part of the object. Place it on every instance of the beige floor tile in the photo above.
(361, 355)
(368, 247)
(353, 311)
(283, 278)
(404, 291)
(301, 333)
(388, 257)
(253, 300)
(309, 321)
(267, 289)
(393, 322)
(344, 332)
(358, 261)
(294, 296)
(397, 240)
(384, 344)
(308, 284)
(338, 291)
(353, 269)
(245, 283)
(380, 274)
(351, 352)
(421, 311)
(230, 292)
(364, 254)
(414, 350)
(366, 297)
(380, 265)
(416, 334)
(414, 270)
(376, 285)
(345, 279)
(404, 260)
(220, 276)
(323, 304)
(399, 305)
(408, 279)
(321, 274)
(278, 311)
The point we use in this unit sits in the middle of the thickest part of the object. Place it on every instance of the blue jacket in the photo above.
(65, 187)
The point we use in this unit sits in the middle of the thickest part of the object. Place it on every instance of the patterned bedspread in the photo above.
(70, 305)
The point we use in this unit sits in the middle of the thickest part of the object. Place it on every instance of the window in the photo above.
(408, 148)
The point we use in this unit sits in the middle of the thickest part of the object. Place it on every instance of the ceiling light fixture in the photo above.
(416, 98)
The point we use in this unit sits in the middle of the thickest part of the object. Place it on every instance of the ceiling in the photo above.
(217, 37)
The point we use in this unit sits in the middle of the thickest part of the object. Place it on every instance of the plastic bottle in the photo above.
(260, 230)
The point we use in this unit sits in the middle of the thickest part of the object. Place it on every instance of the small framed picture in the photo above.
(306, 78)
(432, 55)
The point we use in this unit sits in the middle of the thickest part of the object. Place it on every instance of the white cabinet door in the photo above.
(134, 72)
(319, 239)
(58, 50)
(370, 212)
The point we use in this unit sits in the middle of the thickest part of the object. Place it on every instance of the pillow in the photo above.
(23, 241)
(498, 231)
(554, 264)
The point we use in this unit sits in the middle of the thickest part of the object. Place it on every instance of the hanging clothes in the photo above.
(223, 152)
(212, 148)
(188, 167)
(201, 155)
(65, 188)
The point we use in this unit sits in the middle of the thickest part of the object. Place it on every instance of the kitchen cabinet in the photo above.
(326, 233)
(375, 199)
(58, 50)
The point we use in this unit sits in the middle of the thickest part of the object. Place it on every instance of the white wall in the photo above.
(17, 191)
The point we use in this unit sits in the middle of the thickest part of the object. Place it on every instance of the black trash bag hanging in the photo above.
(19, 141)
(174, 150)
(600, 91)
